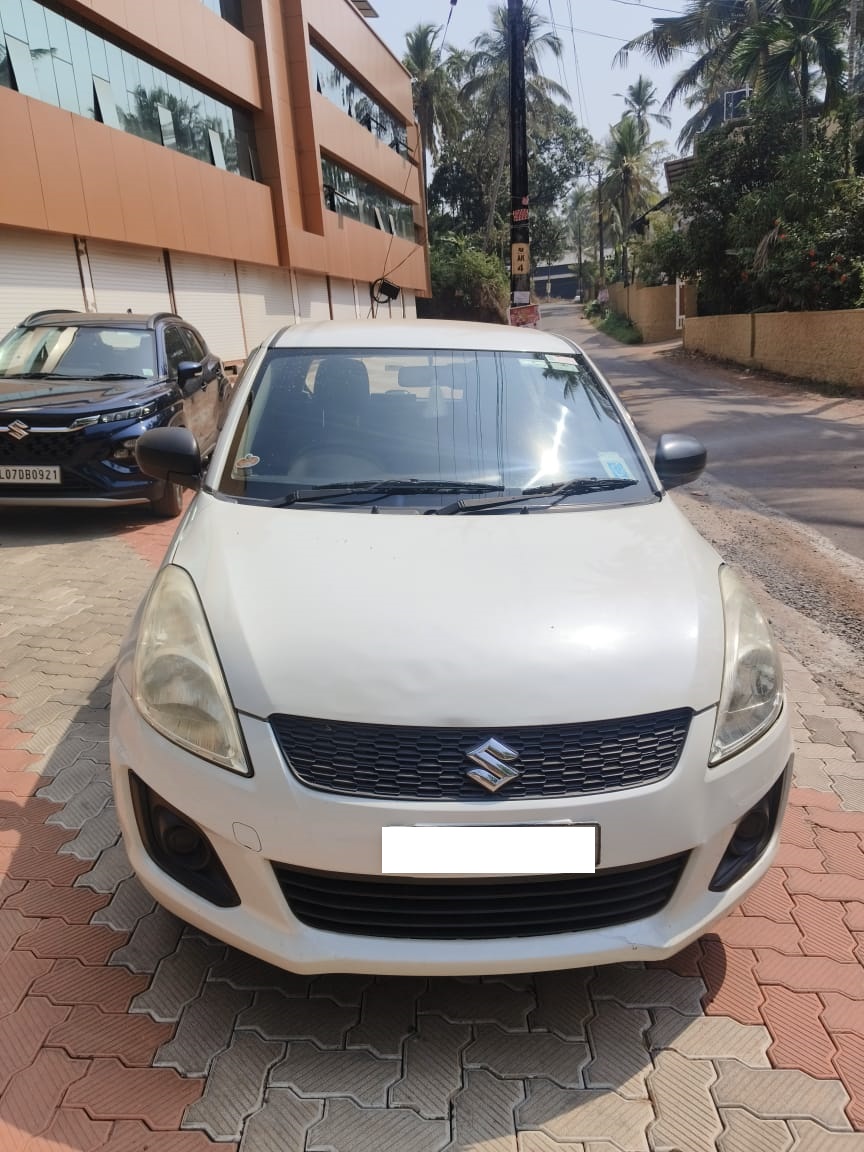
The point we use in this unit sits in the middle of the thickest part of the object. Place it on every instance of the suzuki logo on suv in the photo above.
(495, 766)
(18, 430)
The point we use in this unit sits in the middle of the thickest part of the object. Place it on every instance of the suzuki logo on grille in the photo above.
(495, 766)
(18, 430)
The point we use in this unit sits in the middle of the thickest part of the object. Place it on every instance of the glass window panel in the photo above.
(98, 59)
(58, 37)
(22, 67)
(66, 88)
(216, 148)
(5, 69)
(132, 72)
(37, 29)
(166, 123)
(13, 19)
(117, 76)
(107, 104)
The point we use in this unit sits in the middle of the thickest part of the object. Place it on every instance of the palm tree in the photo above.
(435, 104)
(489, 81)
(630, 184)
(639, 99)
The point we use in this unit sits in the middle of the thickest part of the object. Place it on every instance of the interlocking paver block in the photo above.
(648, 988)
(733, 989)
(621, 1058)
(282, 1123)
(460, 1001)
(313, 1072)
(15, 831)
(83, 806)
(831, 886)
(74, 905)
(744, 1132)
(129, 904)
(842, 851)
(278, 1017)
(803, 973)
(432, 1069)
(483, 1113)
(347, 1128)
(109, 871)
(70, 1128)
(800, 1040)
(155, 936)
(24, 1033)
(63, 759)
(178, 979)
(842, 1014)
(510, 1055)
(13, 925)
(157, 1096)
(234, 1087)
(849, 1062)
(95, 835)
(810, 1137)
(33, 1094)
(70, 982)
(18, 971)
(686, 1114)
(759, 932)
(851, 792)
(780, 1094)
(823, 928)
(769, 898)
(347, 988)
(708, 1037)
(586, 1114)
(388, 1015)
(55, 939)
(563, 1002)
(205, 1028)
(540, 1142)
(89, 1032)
(249, 973)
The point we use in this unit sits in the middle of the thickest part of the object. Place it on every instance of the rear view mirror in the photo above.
(188, 372)
(679, 459)
(170, 454)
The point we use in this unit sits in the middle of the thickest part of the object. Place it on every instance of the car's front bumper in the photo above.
(694, 810)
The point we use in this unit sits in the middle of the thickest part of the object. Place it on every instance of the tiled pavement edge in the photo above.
(121, 1030)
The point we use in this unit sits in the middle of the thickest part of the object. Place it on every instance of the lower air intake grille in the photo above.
(478, 909)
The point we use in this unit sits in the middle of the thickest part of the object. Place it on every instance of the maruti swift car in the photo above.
(435, 676)
(78, 389)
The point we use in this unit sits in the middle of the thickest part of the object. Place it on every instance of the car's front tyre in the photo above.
(169, 504)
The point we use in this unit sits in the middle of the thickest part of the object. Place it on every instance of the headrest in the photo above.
(418, 376)
(340, 379)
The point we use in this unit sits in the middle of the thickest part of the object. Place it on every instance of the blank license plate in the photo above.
(28, 474)
(526, 850)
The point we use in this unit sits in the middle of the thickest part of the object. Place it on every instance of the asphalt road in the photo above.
(800, 453)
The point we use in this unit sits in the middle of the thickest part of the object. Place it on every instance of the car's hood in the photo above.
(72, 397)
(458, 620)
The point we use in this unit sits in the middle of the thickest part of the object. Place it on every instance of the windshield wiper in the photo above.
(45, 376)
(381, 488)
(118, 376)
(555, 493)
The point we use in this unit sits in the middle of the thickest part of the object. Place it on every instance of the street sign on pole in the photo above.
(520, 252)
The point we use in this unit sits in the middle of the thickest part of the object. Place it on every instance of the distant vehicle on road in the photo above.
(78, 389)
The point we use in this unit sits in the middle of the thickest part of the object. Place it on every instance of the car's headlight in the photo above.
(752, 694)
(178, 684)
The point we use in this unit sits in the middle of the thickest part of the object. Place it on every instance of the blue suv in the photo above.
(78, 389)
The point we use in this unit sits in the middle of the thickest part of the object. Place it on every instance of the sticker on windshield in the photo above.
(247, 462)
(562, 363)
(146, 371)
(535, 362)
(615, 466)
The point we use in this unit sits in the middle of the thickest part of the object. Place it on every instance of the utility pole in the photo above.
(853, 43)
(520, 252)
(601, 272)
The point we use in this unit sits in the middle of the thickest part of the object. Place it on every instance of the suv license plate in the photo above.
(471, 850)
(28, 474)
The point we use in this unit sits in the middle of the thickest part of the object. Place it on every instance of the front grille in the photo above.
(478, 909)
(430, 763)
(40, 448)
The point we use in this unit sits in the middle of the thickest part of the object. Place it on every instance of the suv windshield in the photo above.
(69, 352)
(395, 424)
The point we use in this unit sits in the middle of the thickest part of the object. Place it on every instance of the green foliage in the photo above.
(593, 310)
(618, 327)
(466, 283)
(663, 256)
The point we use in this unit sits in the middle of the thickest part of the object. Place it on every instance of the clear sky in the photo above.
(599, 27)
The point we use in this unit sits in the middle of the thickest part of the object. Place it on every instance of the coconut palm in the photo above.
(630, 184)
(435, 104)
(488, 81)
(639, 99)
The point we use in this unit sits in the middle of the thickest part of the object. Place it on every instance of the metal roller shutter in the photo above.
(205, 290)
(125, 276)
(37, 270)
(313, 298)
(342, 299)
(266, 300)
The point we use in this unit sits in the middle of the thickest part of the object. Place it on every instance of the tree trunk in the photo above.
(496, 188)
(805, 100)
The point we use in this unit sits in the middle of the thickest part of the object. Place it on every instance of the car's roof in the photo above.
(426, 334)
(98, 319)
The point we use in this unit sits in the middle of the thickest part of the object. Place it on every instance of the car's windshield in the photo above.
(70, 352)
(490, 421)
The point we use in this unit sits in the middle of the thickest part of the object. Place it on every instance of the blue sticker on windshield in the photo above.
(615, 466)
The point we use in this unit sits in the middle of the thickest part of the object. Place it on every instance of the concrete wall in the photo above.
(822, 346)
(652, 310)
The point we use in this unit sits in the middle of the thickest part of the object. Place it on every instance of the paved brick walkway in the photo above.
(122, 1030)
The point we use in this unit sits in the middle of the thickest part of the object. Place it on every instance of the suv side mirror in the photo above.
(170, 454)
(679, 459)
(189, 371)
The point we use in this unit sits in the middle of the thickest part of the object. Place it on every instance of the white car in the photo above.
(435, 677)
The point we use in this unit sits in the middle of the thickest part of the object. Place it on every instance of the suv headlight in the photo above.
(178, 684)
(752, 694)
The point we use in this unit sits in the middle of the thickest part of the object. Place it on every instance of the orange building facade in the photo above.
(246, 163)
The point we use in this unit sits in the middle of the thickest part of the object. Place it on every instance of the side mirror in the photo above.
(679, 459)
(170, 454)
(189, 371)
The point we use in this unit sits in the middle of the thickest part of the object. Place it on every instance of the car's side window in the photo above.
(175, 349)
(197, 351)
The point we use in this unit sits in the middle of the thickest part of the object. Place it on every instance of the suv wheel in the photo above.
(169, 504)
